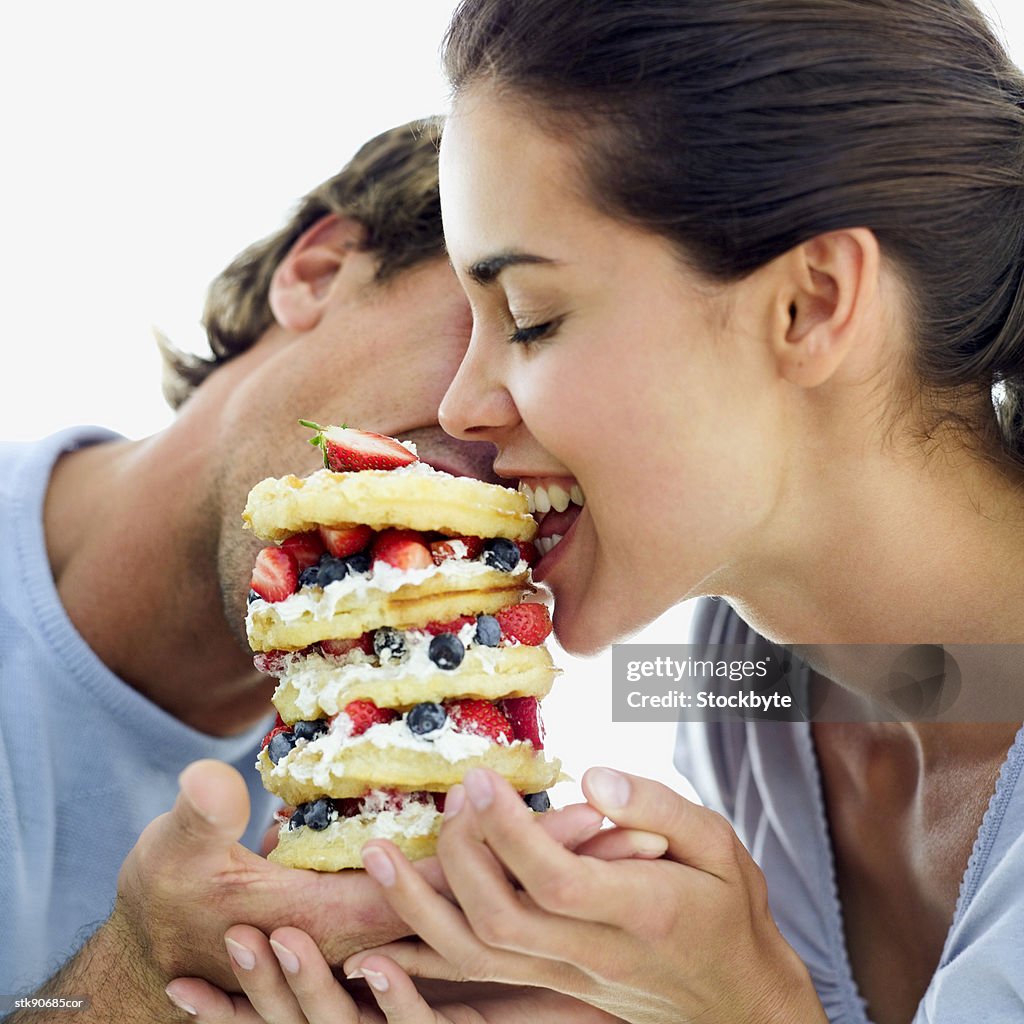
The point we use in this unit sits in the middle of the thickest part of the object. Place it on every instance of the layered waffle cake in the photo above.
(392, 604)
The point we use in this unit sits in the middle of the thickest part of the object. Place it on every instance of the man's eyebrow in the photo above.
(485, 271)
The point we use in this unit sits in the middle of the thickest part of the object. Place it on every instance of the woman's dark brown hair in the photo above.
(389, 186)
(741, 128)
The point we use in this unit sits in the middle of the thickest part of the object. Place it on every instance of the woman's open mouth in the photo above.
(555, 504)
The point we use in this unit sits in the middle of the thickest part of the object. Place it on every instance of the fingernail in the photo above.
(285, 957)
(183, 789)
(649, 844)
(378, 866)
(479, 788)
(453, 801)
(242, 955)
(608, 788)
(375, 979)
(180, 1003)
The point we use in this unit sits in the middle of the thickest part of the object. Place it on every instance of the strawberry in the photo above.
(403, 549)
(275, 575)
(528, 552)
(339, 648)
(455, 547)
(346, 449)
(524, 714)
(433, 628)
(528, 623)
(270, 662)
(305, 548)
(342, 541)
(481, 718)
(364, 713)
(278, 726)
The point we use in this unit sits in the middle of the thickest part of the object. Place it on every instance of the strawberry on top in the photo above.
(346, 449)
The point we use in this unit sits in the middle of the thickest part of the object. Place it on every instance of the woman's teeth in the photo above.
(545, 544)
(543, 498)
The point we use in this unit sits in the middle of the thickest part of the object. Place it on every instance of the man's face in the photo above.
(380, 359)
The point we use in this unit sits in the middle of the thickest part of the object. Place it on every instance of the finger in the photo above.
(592, 898)
(318, 993)
(558, 880)
(212, 808)
(209, 1004)
(395, 993)
(261, 977)
(444, 926)
(572, 825)
(624, 844)
(696, 835)
(416, 958)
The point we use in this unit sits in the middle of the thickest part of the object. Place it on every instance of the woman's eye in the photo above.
(527, 334)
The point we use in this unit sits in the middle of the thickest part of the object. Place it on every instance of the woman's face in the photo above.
(599, 362)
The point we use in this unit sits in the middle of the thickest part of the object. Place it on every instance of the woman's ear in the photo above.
(302, 282)
(829, 285)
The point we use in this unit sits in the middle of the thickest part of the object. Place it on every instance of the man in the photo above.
(122, 646)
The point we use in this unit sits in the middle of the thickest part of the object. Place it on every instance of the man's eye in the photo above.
(526, 335)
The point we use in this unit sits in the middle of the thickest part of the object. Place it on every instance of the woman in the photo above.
(750, 274)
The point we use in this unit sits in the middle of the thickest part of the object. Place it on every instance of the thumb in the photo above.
(696, 836)
(212, 806)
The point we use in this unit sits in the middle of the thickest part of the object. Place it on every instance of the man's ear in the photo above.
(302, 281)
(829, 284)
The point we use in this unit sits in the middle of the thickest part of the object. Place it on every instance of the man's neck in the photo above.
(135, 566)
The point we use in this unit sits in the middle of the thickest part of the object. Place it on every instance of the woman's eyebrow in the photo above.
(486, 271)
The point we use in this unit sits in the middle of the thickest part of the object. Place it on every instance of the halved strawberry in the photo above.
(348, 450)
(343, 541)
(305, 548)
(365, 713)
(480, 717)
(336, 647)
(456, 547)
(433, 628)
(275, 574)
(528, 623)
(528, 552)
(403, 549)
(524, 714)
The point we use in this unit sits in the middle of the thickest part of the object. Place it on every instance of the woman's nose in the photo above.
(477, 406)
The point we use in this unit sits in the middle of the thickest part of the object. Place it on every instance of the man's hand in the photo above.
(186, 881)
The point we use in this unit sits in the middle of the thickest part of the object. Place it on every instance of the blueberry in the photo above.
(426, 717)
(330, 570)
(538, 802)
(488, 631)
(318, 814)
(310, 576)
(388, 640)
(253, 596)
(309, 730)
(298, 818)
(446, 651)
(502, 554)
(360, 562)
(280, 746)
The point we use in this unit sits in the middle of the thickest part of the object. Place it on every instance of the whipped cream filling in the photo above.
(416, 818)
(447, 741)
(322, 681)
(382, 578)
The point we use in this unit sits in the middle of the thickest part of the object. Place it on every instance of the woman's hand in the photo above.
(286, 980)
(687, 936)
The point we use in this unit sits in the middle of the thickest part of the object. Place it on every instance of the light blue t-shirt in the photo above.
(764, 778)
(86, 762)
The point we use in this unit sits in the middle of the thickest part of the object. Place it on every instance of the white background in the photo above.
(144, 146)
